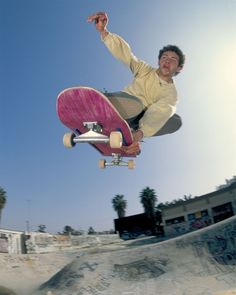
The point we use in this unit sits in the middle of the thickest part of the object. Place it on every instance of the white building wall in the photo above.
(11, 242)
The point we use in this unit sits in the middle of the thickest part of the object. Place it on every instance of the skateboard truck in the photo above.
(93, 126)
(93, 135)
(117, 161)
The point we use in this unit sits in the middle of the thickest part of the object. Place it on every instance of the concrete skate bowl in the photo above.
(198, 263)
(6, 291)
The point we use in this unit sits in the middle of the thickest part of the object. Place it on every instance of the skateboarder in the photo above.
(153, 87)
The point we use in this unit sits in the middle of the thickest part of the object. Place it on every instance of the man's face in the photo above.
(169, 64)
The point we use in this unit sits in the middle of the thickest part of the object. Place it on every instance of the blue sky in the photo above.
(46, 46)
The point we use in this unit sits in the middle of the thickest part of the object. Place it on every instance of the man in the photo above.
(153, 88)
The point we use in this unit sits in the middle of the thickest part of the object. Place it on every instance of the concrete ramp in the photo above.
(199, 263)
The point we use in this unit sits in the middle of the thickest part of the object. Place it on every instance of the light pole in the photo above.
(28, 216)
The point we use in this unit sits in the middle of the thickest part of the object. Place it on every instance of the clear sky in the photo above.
(46, 46)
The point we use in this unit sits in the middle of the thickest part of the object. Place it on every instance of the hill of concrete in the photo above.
(198, 263)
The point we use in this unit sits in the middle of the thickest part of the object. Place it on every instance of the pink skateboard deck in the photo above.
(83, 104)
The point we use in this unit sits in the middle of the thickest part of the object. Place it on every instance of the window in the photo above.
(175, 220)
(197, 215)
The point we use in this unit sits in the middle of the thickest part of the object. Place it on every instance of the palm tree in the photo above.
(68, 230)
(3, 200)
(119, 205)
(148, 199)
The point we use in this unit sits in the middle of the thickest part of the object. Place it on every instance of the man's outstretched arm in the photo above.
(101, 20)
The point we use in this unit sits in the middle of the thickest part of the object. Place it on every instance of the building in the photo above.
(199, 212)
(12, 242)
(132, 226)
(18, 242)
(183, 217)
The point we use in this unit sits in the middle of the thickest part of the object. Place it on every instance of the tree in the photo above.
(148, 199)
(42, 228)
(228, 182)
(162, 206)
(3, 200)
(91, 231)
(119, 205)
(158, 216)
(188, 197)
(68, 230)
(179, 201)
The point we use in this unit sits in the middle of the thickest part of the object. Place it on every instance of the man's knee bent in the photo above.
(171, 126)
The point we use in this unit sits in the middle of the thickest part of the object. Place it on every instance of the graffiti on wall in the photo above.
(176, 229)
(217, 247)
(200, 223)
(223, 249)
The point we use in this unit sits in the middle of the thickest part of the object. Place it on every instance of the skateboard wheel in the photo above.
(131, 164)
(102, 164)
(116, 139)
(68, 140)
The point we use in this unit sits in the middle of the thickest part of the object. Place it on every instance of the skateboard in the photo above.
(93, 119)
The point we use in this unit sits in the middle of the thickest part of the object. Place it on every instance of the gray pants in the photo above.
(132, 110)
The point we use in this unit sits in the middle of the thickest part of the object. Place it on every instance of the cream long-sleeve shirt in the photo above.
(158, 97)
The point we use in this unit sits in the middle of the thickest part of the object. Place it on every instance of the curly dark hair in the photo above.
(175, 49)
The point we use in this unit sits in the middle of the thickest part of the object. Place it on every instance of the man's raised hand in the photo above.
(101, 20)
